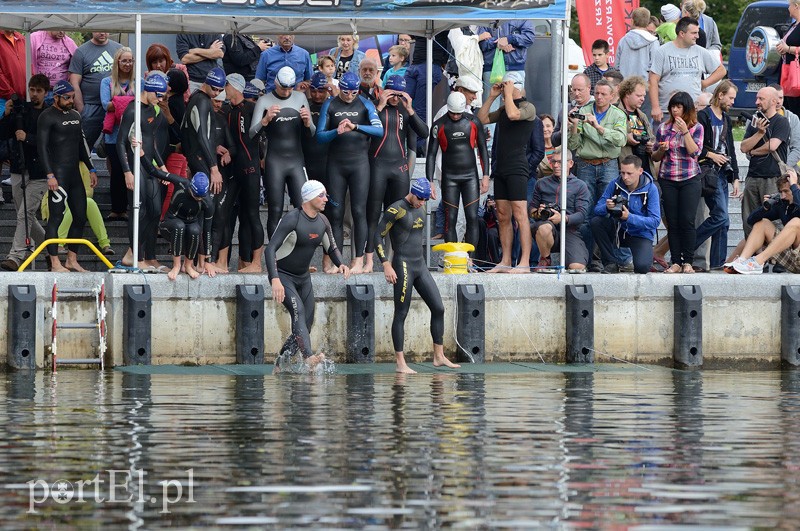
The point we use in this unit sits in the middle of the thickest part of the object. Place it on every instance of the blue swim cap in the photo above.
(396, 83)
(421, 188)
(318, 80)
(349, 81)
(251, 91)
(155, 82)
(199, 185)
(62, 87)
(216, 78)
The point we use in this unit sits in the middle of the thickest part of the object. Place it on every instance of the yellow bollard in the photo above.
(456, 258)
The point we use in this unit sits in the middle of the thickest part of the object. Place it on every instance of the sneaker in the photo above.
(545, 262)
(595, 267)
(748, 267)
(612, 268)
(9, 265)
(6, 182)
(627, 267)
(107, 250)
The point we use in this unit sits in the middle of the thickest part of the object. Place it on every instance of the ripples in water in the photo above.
(644, 450)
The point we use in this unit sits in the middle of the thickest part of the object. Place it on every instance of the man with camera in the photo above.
(766, 140)
(784, 245)
(627, 215)
(545, 214)
(28, 179)
(640, 141)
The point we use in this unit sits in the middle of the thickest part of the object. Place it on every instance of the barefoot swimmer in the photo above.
(188, 219)
(404, 220)
(288, 255)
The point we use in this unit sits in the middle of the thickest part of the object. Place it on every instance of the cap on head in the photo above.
(456, 103)
(286, 77)
(311, 189)
(670, 12)
(177, 81)
(62, 87)
(257, 83)
(513, 79)
(396, 83)
(318, 80)
(469, 82)
(422, 187)
(155, 82)
(236, 81)
(251, 91)
(349, 81)
(216, 78)
(199, 184)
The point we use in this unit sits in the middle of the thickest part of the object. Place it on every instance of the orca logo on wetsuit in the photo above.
(71, 122)
(346, 113)
(56, 196)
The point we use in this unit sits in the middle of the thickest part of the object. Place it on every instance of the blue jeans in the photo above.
(597, 178)
(717, 223)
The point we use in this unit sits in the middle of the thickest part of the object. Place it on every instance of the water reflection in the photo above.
(552, 449)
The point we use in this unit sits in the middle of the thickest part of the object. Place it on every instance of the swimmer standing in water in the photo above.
(288, 255)
(404, 221)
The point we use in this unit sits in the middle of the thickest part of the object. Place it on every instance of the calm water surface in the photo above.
(636, 450)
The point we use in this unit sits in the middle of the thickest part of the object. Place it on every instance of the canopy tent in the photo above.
(268, 17)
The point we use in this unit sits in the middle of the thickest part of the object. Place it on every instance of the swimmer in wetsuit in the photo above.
(188, 224)
(62, 147)
(284, 117)
(404, 222)
(246, 182)
(288, 255)
(347, 122)
(392, 156)
(221, 230)
(196, 129)
(457, 134)
(154, 89)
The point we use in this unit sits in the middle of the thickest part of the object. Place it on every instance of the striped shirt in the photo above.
(678, 164)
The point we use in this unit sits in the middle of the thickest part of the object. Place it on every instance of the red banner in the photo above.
(604, 19)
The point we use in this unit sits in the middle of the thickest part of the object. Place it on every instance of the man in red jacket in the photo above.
(12, 64)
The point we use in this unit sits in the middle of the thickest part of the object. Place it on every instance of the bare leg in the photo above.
(255, 265)
(788, 237)
(176, 268)
(368, 265)
(402, 367)
(357, 265)
(127, 260)
(327, 265)
(439, 359)
(762, 234)
(519, 209)
(55, 265)
(189, 269)
(506, 232)
(221, 264)
(72, 262)
(736, 252)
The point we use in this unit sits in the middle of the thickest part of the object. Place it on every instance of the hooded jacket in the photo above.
(635, 51)
(579, 201)
(643, 206)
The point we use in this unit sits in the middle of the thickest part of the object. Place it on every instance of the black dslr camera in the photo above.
(771, 201)
(577, 115)
(546, 213)
(642, 138)
(619, 202)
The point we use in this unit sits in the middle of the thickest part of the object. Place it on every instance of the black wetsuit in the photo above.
(288, 255)
(149, 184)
(245, 186)
(196, 134)
(460, 180)
(283, 164)
(316, 153)
(348, 163)
(188, 221)
(62, 147)
(406, 227)
(222, 231)
(389, 158)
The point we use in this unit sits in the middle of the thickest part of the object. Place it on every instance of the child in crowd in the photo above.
(600, 67)
(398, 60)
(666, 31)
(327, 65)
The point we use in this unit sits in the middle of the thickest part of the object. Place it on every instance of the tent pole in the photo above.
(429, 119)
(137, 167)
(564, 129)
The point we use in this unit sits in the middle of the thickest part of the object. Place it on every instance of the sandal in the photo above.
(674, 268)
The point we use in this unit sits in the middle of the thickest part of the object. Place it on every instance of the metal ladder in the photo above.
(98, 293)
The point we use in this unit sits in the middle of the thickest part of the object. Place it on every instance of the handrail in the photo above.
(80, 241)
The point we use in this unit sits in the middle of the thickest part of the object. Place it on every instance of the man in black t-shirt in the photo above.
(766, 140)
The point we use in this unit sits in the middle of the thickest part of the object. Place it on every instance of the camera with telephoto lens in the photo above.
(18, 112)
(546, 212)
(771, 201)
(642, 138)
(577, 115)
(619, 202)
